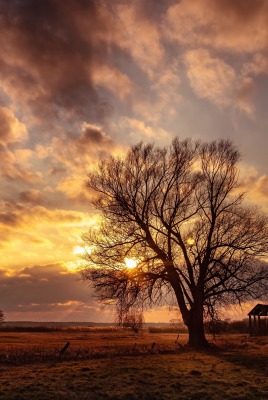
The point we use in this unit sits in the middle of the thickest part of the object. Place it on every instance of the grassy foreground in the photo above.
(135, 370)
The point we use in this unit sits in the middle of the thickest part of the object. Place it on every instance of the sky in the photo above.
(83, 79)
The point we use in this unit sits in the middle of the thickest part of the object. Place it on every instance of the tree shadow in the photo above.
(247, 358)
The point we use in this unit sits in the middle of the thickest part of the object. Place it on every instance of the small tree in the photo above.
(129, 317)
(178, 212)
(133, 320)
(2, 317)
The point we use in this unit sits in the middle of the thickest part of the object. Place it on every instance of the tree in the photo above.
(131, 319)
(2, 317)
(178, 213)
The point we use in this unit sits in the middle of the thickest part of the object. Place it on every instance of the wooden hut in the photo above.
(258, 326)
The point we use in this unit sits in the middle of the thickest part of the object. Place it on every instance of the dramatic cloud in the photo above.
(49, 50)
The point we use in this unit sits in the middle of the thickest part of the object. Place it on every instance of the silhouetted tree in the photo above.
(2, 317)
(129, 317)
(132, 319)
(178, 213)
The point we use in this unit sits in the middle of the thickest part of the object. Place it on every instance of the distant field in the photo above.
(118, 365)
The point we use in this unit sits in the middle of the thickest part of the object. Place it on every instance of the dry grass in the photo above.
(111, 366)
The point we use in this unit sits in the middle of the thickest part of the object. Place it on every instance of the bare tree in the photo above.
(178, 213)
(132, 319)
(2, 317)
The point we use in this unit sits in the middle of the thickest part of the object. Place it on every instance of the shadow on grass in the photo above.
(245, 359)
(244, 352)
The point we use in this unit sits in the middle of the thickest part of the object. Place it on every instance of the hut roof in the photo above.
(259, 309)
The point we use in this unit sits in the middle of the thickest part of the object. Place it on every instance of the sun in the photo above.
(130, 263)
(190, 241)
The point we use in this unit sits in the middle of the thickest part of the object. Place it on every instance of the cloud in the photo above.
(49, 292)
(39, 213)
(235, 26)
(30, 233)
(213, 79)
(49, 50)
(15, 162)
(257, 66)
(14, 168)
(209, 77)
(138, 130)
(11, 129)
(255, 186)
(74, 155)
(10, 219)
(76, 150)
(31, 196)
(113, 80)
(144, 43)
(42, 288)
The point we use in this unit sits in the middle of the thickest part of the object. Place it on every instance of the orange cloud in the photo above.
(213, 79)
(144, 43)
(210, 77)
(255, 186)
(236, 26)
(13, 166)
(257, 66)
(114, 80)
(30, 233)
(11, 129)
(138, 130)
(74, 155)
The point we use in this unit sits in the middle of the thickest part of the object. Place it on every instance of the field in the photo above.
(113, 365)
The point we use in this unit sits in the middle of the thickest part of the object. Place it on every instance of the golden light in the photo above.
(190, 241)
(78, 250)
(130, 263)
(71, 266)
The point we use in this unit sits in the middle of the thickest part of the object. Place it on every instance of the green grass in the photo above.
(236, 369)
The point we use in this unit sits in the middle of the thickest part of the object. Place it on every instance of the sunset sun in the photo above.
(130, 263)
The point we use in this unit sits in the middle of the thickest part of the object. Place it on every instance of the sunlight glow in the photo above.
(78, 250)
(73, 266)
(130, 263)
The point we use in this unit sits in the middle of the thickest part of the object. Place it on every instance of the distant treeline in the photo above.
(55, 328)
(56, 323)
(225, 326)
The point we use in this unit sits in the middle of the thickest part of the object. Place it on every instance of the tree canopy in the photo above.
(178, 213)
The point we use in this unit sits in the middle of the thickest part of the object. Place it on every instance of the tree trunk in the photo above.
(195, 325)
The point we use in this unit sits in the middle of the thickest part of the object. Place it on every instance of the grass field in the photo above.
(120, 365)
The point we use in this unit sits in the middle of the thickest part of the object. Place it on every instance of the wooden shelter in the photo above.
(258, 326)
